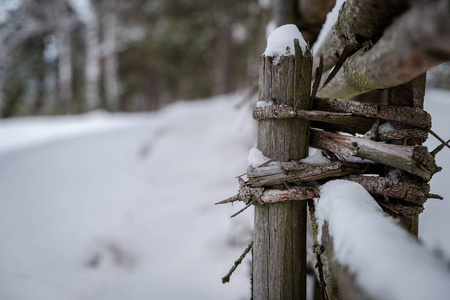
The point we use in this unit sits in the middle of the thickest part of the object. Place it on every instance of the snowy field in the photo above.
(120, 206)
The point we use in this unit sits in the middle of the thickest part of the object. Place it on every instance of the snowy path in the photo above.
(120, 206)
(126, 214)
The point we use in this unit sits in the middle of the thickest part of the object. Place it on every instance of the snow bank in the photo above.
(281, 42)
(387, 261)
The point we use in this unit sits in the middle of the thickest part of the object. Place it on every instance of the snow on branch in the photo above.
(364, 247)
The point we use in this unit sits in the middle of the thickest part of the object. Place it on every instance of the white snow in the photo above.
(125, 211)
(385, 127)
(316, 158)
(434, 222)
(89, 209)
(281, 42)
(264, 103)
(18, 133)
(387, 261)
(256, 158)
(332, 17)
(357, 160)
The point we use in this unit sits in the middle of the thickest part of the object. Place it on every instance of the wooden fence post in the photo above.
(279, 251)
(411, 94)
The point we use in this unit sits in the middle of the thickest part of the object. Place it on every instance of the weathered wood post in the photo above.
(411, 94)
(279, 251)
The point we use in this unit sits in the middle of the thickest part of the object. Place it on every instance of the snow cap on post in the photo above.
(281, 42)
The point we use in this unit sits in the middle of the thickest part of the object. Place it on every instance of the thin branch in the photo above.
(318, 78)
(229, 200)
(435, 196)
(439, 148)
(226, 278)
(384, 205)
(247, 206)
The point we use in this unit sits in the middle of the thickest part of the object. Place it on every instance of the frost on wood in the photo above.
(281, 42)
(361, 241)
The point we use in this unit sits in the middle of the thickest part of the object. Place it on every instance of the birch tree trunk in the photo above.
(92, 64)
(112, 83)
(65, 56)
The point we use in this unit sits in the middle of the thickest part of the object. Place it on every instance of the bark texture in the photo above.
(359, 21)
(409, 94)
(294, 171)
(406, 50)
(413, 159)
(412, 116)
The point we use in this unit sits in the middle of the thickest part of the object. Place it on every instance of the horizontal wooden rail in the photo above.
(294, 171)
(413, 159)
(412, 116)
(406, 49)
(359, 21)
(351, 116)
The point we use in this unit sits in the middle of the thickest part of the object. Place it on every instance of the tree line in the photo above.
(72, 56)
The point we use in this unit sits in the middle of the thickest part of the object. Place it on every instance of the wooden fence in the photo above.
(390, 49)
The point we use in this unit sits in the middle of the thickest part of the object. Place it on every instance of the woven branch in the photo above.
(350, 113)
(405, 50)
(416, 192)
(358, 19)
(295, 171)
(413, 159)
(412, 116)
(402, 134)
(406, 210)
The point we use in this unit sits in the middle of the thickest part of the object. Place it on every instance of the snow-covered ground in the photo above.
(120, 206)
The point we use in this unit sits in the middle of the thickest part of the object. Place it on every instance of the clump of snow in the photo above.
(387, 261)
(256, 158)
(332, 17)
(357, 160)
(281, 42)
(264, 103)
(385, 127)
(317, 158)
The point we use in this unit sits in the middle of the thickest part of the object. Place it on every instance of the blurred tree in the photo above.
(76, 55)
